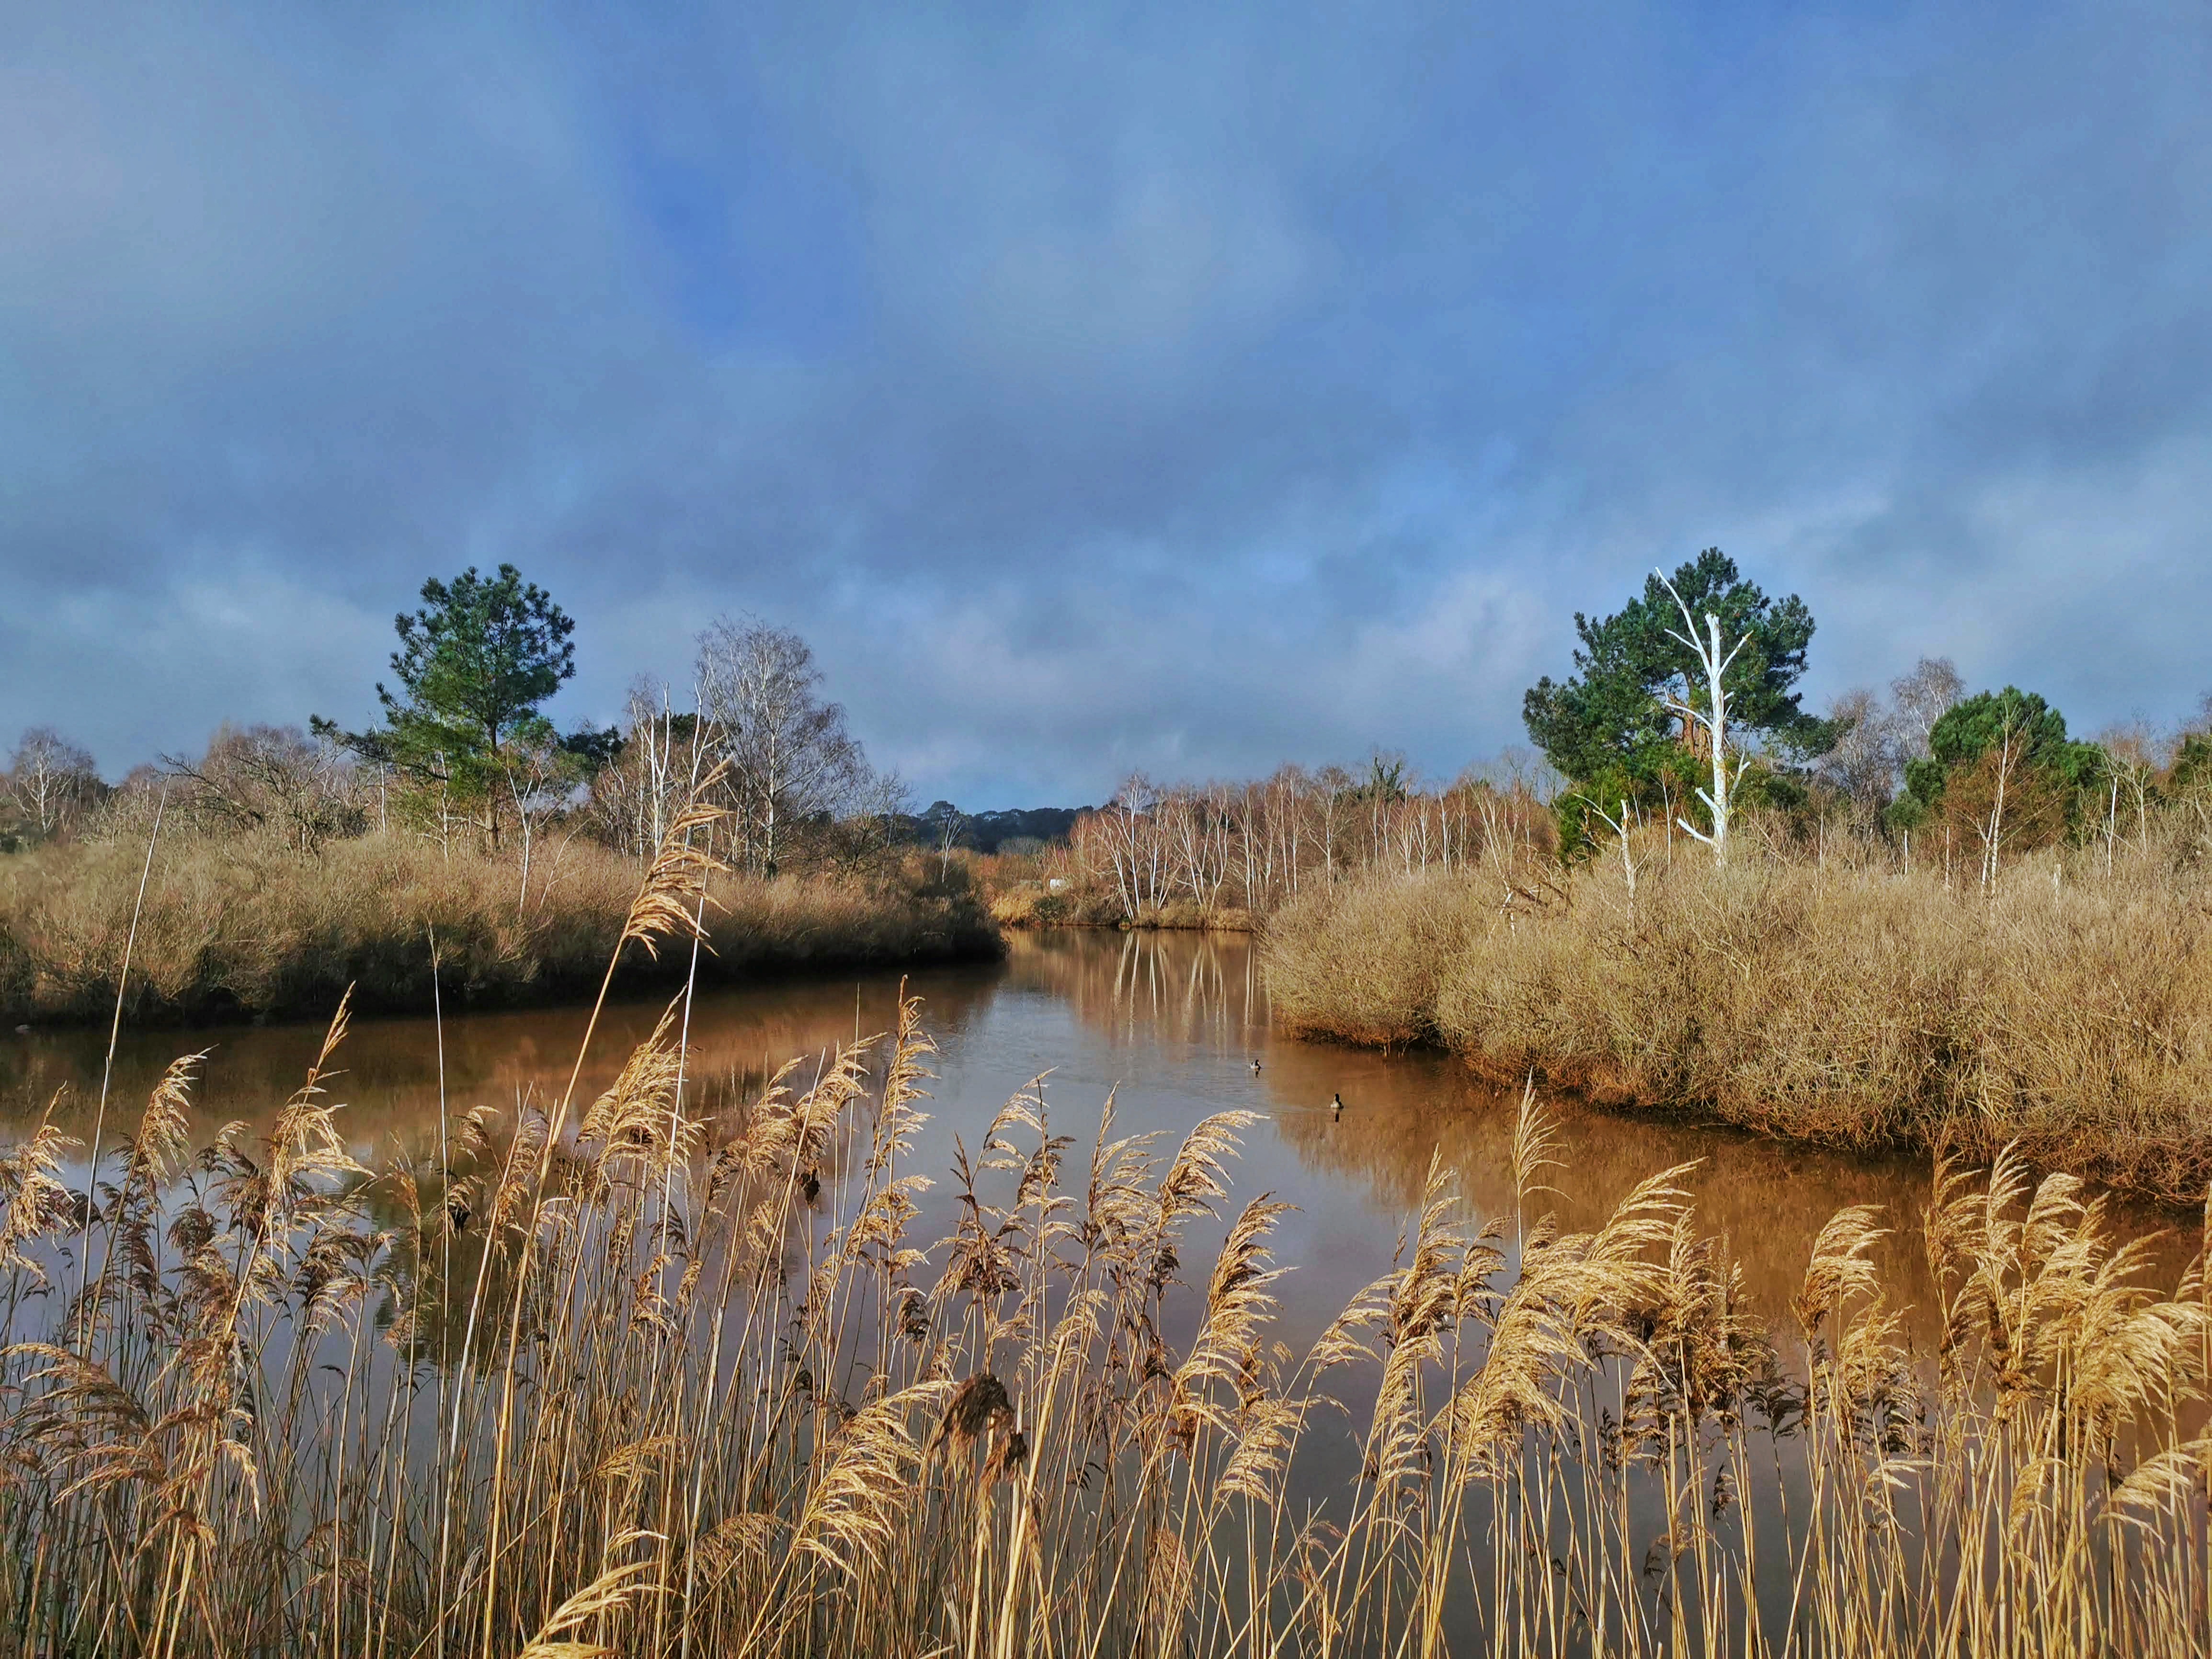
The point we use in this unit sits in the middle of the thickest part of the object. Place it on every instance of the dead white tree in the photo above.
(2004, 763)
(1713, 719)
(540, 782)
(1621, 826)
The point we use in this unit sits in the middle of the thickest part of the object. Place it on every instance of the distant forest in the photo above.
(1017, 830)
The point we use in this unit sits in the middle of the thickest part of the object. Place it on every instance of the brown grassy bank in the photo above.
(1031, 904)
(1856, 1006)
(249, 927)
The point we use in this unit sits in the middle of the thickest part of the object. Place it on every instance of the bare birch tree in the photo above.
(2132, 759)
(637, 795)
(791, 758)
(1863, 764)
(2002, 762)
(50, 781)
(1917, 700)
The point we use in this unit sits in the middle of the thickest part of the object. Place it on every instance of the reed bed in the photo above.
(667, 1373)
(248, 925)
(1849, 1003)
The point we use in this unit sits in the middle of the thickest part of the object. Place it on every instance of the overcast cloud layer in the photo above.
(1181, 389)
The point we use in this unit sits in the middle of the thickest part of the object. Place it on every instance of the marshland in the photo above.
(1008, 1309)
(1670, 1199)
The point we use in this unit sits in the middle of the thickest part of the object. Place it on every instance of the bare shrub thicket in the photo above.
(275, 782)
(665, 1372)
(1226, 855)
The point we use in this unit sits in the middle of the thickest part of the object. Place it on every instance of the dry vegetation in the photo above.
(1844, 1000)
(665, 1374)
(247, 924)
(1224, 856)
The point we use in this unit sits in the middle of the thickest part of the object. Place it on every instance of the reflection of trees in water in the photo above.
(388, 1074)
(1769, 1198)
(1169, 990)
(1191, 987)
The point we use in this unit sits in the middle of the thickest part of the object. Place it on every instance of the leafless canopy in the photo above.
(49, 781)
(273, 778)
(792, 762)
(1917, 700)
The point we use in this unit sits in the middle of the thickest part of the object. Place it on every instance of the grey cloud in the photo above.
(1181, 388)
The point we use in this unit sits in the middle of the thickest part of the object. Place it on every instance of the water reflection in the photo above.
(389, 1070)
(1169, 1021)
(1767, 1199)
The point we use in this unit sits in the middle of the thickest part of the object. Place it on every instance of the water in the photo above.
(1168, 1023)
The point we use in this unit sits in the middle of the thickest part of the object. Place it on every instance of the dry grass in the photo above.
(1020, 892)
(1033, 906)
(1856, 1007)
(248, 925)
(612, 1377)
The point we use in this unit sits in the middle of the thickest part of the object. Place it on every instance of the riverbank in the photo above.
(250, 928)
(1035, 904)
(1865, 1009)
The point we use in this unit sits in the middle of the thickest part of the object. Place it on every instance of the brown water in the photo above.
(1169, 1021)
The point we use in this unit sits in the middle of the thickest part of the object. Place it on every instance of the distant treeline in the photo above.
(1013, 830)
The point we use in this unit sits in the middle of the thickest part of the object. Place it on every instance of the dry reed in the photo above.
(1847, 1003)
(252, 926)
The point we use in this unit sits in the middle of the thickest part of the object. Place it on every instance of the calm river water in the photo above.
(1170, 1021)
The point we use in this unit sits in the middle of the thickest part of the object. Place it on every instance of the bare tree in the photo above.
(1862, 765)
(952, 823)
(272, 780)
(2004, 802)
(873, 828)
(635, 796)
(541, 780)
(49, 781)
(1621, 827)
(2133, 758)
(2002, 765)
(1917, 700)
(791, 758)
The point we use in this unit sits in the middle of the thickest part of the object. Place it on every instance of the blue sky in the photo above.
(1179, 387)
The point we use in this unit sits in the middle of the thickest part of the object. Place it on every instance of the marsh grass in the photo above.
(1847, 1003)
(610, 1375)
(250, 926)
